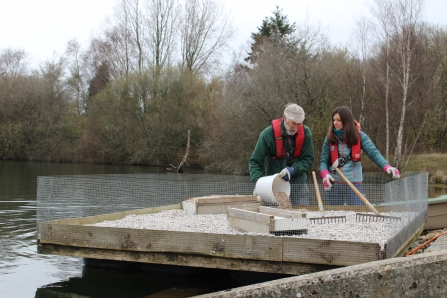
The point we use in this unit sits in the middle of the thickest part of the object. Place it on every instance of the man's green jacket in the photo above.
(262, 164)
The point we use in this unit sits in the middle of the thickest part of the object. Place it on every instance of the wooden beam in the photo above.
(282, 212)
(252, 216)
(223, 199)
(190, 260)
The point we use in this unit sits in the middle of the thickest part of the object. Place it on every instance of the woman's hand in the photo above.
(393, 171)
(327, 178)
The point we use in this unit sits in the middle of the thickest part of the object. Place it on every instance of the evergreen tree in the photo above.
(101, 79)
(275, 29)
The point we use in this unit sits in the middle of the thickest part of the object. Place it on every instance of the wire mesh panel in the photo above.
(223, 216)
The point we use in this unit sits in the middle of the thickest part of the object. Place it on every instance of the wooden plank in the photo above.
(343, 208)
(281, 212)
(289, 224)
(246, 225)
(251, 216)
(223, 209)
(183, 259)
(230, 246)
(404, 248)
(189, 207)
(223, 199)
(402, 236)
(330, 252)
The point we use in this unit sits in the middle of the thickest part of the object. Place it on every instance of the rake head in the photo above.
(328, 219)
(364, 217)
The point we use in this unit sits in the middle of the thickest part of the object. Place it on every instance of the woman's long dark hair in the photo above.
(350, 131)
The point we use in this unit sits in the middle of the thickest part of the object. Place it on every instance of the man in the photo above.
(285, 147)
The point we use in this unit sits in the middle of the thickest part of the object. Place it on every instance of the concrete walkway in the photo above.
(419, 275)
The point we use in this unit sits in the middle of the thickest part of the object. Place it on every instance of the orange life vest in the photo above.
(279, 141)
(356, 150)
(356, 153)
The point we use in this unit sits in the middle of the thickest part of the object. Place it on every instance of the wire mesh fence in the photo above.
(219, 215)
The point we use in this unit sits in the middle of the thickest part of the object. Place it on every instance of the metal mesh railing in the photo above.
(95, 197)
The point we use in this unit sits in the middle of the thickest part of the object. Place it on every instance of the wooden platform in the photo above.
(274, 254)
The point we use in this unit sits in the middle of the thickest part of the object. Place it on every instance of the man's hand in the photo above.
(327, 178)
(287, 173)
(393, 171)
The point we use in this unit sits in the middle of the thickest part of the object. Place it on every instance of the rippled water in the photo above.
(25, 273)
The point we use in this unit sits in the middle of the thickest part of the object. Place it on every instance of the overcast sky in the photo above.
(42, 27)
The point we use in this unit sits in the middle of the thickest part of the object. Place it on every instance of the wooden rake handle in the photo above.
(361, 196)
(317, 191)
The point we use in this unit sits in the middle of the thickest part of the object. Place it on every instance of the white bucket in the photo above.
(267, 185)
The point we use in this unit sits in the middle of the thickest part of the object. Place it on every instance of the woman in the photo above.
(342, 148)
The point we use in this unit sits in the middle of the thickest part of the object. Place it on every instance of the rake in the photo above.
(324, 219)
(365, 217)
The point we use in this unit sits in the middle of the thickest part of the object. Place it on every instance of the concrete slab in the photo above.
(438, 244)
(421, 275)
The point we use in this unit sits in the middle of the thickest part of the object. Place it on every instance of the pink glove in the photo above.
(390, 170)
(327, 178)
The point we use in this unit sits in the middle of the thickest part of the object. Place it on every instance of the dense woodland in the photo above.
(154, 72)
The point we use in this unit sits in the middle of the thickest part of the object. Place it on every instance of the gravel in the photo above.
(179, 220)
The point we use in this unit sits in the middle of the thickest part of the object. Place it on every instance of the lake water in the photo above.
(25, 273)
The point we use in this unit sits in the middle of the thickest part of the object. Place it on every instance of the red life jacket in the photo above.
(279, 142)
(356, 149)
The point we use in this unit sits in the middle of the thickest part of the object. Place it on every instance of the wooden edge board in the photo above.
(251, 215)
(330, 252)
(263, 247)
(343, 208)
(223, 199)
(223, 209)
(190, 260)
(403, 249)
(245, 225)
(281, 212)
(285, 224)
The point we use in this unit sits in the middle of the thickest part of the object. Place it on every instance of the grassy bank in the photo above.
(434, 163)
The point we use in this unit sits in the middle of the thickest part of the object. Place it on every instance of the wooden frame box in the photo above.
(261, 253)
(220, 204)
(268, 221)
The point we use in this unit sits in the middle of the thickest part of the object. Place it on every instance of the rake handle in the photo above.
(361, 196)
(317, 191)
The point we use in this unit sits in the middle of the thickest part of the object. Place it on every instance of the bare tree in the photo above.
(205, 32)
(13, 62)
(162, 25)
(120, 43)
(381, 12)
(135, 20)
(404, 21)
(400, 28)
(363, 35)
(76, 76)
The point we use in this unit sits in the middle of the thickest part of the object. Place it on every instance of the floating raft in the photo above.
(261, 253)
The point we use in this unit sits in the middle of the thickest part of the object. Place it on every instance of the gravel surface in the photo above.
(179, 220)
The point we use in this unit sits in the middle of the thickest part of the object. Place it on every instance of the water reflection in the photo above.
(99, 282)
(436, 191)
